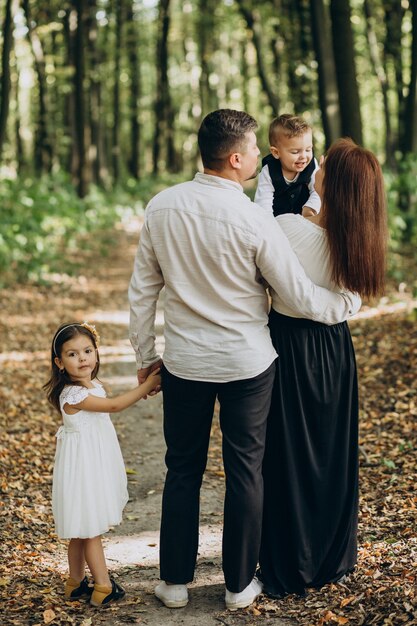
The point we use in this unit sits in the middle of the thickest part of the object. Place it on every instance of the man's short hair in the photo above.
(221, 133)
(287, 125)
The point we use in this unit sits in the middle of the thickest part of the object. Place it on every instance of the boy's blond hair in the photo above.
(287, 125)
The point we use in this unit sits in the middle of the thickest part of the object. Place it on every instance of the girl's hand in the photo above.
(144, 374)
(153, 382)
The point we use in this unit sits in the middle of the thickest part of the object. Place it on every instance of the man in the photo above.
(211, 247)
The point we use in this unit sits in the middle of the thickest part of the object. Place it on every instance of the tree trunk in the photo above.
(5, 74)
(410, 121)
(71, 160)
(299, 47)
(52, 48)
(244, 70)
(81, 169)
(205, 34)
(394, 13)
(132, 43)
(43, 148)
(116, 92)
(277, 46)
(20, 155)
(327, 82)
(344, 56)
(292, 52)
(164, 115)
(95, 113)
(382, 79)
(253, 24)
(409, 138)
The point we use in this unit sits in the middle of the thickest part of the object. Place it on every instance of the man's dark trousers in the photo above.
(188, 414)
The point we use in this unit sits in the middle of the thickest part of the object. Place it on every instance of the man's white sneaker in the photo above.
(173, 596)
(244, 598)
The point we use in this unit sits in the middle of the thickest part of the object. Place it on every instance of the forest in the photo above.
(101, 101)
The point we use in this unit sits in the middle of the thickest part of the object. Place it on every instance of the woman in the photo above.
(311, 459)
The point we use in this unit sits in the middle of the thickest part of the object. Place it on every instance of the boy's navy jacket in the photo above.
(288, 198)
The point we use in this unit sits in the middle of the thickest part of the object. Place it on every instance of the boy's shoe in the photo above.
(103, 595)
(173, 596)
(75, 590)
(244, 598)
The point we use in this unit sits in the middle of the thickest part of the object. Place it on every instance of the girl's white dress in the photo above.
(89, 488)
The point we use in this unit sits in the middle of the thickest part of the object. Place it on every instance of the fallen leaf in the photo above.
(48, 616)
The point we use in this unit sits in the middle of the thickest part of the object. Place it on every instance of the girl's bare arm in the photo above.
(118, 403)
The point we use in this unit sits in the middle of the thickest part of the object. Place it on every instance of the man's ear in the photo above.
(235, 160)
(274, 151)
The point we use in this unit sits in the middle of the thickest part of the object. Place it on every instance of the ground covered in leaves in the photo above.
(383, 588)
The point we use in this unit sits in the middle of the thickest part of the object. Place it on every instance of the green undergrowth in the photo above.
(44, 225)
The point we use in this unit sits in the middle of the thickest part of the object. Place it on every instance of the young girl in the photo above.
(89, 482)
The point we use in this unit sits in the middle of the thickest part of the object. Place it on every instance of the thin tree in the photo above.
(43, 147)
(410, 122)
(327, 82)
(80, 113)
(277, 43)
(96, 155)
(298, 52)
(164, 113)
(379, 71)
(52, 48)
(253, 24)
(116, 91)
(70, 134)
(205, 40)
(20, 158)
(409, 138)
(5, 74)
(393, 57)
(132, 48)
(344, 56)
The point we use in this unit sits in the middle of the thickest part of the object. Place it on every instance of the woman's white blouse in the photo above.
(309, 242)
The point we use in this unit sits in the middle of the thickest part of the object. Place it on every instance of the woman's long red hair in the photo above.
(354, 215)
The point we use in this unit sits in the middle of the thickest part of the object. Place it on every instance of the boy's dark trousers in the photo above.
(188, 413)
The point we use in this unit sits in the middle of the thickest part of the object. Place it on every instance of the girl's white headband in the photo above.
(89, 327)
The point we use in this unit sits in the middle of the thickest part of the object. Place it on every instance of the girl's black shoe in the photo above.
(75, 590)
(104, 595)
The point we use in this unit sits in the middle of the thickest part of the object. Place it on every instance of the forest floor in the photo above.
(381, 591)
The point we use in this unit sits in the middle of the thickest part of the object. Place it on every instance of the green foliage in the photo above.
(402, 222)
(402, 201)
(44, 225)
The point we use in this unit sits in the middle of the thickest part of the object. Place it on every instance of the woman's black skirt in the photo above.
(311, 458)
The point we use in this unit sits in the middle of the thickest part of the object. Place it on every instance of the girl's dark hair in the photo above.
(59, 379)
(355, 218)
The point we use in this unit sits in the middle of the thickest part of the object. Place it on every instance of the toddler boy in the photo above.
(286, 181)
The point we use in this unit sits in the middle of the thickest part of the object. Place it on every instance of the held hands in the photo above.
(150, 378)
